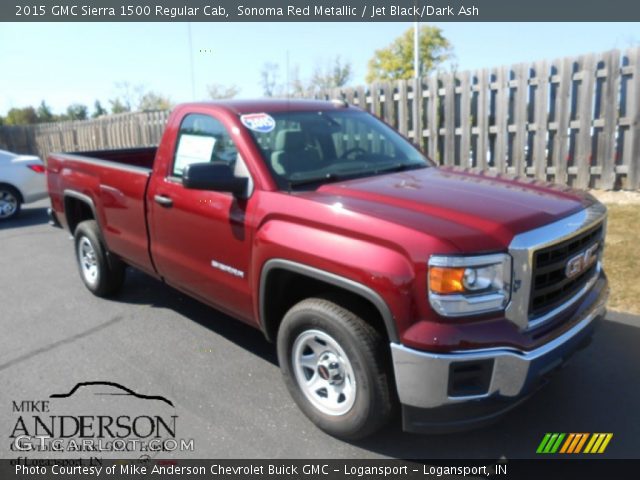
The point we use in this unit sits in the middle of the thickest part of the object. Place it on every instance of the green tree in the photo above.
(219, 91)
(98, 110)
(396, 61)
(21, 116)
(44, 113)
(77, 111)
(154, 101)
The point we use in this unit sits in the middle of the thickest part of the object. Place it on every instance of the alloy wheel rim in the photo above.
(8, 204)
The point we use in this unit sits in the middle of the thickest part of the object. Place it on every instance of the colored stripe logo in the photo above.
(574, 443)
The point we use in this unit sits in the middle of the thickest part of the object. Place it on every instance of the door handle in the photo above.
(163, 200)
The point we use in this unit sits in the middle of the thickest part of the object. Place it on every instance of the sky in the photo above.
(64, 63)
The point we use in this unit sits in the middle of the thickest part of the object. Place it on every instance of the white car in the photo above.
(22, 180)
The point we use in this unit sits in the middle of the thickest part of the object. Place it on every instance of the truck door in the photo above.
(201, 240)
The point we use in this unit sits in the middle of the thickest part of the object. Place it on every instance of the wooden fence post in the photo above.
(609, 112)
(631, 152)
(585, 103)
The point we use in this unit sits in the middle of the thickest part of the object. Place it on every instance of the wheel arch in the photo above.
(77, 208)
(307, 276)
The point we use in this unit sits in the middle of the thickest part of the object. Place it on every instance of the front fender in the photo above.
(377, 272)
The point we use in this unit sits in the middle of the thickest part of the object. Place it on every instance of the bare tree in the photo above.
(298, 87)
(269, 78)
(128, 97)
(219, 91)
(333, 74)
(154, 101)
(118, 106)
(336, 73)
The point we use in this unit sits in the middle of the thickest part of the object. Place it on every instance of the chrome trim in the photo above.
(422, 378)
(462, 261)
(468, 304)
(522, 248)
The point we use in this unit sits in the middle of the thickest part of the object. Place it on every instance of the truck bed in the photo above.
(115, 183)
(135, 157)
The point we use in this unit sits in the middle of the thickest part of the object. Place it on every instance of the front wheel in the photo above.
(102, 275)
(334, 365)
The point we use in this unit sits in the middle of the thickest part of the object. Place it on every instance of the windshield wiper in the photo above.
(334, 177)
(400, 167)
(329, 177)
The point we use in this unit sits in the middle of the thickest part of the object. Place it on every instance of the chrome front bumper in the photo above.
(423, 378)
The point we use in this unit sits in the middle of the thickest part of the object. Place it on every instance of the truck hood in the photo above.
(459, 206)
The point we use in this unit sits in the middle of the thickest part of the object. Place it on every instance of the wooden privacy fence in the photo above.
(572, 120)
(114, 131)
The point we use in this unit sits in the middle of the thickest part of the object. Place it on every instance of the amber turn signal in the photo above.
(446, 280)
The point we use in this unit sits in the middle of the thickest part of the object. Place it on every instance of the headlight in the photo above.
(469, 285)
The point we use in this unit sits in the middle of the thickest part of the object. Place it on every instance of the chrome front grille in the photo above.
(541, 288)
(550, 286)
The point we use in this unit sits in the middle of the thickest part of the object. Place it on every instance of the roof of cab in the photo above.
(241, 107)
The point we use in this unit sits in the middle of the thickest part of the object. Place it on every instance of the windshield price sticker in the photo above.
(258, 122)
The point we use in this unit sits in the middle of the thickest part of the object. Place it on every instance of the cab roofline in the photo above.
(241, 107)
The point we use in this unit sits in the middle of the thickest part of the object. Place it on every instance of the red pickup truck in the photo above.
(384, 280)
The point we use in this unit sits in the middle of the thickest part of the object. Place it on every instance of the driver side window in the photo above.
(202, 138)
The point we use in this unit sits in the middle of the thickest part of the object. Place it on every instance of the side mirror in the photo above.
(216, 176)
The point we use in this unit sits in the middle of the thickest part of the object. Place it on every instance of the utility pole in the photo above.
(287, 76)
(193, 74)
(416, 49)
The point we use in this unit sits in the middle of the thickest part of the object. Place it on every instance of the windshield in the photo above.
(306, 149)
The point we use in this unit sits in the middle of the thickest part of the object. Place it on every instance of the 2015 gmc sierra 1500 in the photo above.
(383, 279)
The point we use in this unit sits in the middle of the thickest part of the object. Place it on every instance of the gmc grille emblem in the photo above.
(581, 262)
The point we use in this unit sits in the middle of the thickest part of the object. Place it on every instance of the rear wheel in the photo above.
(102, 275)
(10, 203)
(334, 365)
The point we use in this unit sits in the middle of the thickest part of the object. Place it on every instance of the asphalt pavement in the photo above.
(223, 379)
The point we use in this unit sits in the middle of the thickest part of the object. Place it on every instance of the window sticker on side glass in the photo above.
(258, 122)
(193, 149)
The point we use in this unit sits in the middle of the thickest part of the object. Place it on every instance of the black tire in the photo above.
(367, 358)
(11, 199)
(109, 271)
